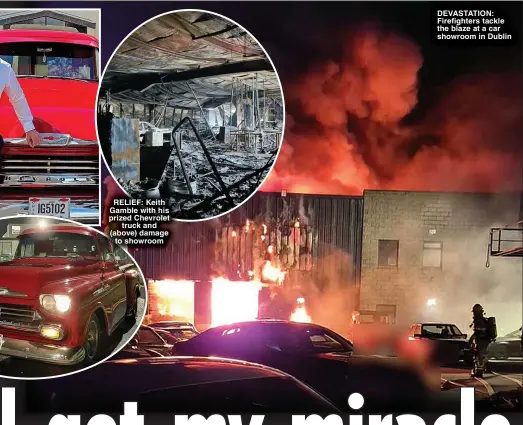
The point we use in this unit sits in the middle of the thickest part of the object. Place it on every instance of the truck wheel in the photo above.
(93, 344)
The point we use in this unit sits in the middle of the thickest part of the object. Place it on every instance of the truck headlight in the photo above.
(55, 303)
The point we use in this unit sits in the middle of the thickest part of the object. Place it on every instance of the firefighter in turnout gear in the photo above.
(480, 339)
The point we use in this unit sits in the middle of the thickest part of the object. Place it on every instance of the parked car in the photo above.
(181, 331)
(316, 356)
(169, 339)
(132, 351)
(450, 345)
(148, 338)
(177, 385)
(506, 347)
(62, 295)
(57, 68)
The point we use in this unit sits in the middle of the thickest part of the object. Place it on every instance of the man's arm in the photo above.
(17, 99)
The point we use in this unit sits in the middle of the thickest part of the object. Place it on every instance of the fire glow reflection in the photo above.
(233, 301)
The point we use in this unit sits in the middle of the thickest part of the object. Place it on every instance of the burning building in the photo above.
(393, 256)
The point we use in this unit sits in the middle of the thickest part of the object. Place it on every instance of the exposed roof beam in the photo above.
(141, 81)
(212, 34)
(168, 52)
(193, 30)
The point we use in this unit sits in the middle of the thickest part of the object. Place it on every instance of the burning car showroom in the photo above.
(361, 266)
(69, 297)
(55, 59)
(385, 277)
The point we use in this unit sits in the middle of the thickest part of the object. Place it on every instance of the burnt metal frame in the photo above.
(144, 80)
(207, 155)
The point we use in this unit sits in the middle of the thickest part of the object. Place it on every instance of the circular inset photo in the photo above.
(191, 110)
(69, 297)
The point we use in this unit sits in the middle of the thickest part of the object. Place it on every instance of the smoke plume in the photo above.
(346, 127)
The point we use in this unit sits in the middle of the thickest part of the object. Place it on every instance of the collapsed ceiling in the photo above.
(177, 57)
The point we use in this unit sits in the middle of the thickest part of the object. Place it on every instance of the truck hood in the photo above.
(58, 106)
(30, 276)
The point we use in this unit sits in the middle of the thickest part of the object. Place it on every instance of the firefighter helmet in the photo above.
(478, 309)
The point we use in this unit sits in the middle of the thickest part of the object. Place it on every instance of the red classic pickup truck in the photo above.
(65, 291)
(57, 69)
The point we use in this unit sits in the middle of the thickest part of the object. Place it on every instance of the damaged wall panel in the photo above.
(311, 233)
(125, 148)
(187, 254)
(329, 239)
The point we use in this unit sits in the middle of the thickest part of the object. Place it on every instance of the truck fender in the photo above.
(97, 306)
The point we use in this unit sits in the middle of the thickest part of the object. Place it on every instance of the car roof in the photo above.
(161, 372)
(268, 322)
(435, 324)
(61, 228)
(168, 323)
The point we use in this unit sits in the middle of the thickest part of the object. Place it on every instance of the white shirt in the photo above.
(11, 86)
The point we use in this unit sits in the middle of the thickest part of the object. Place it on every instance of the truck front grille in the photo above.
(19, 317)
(34, 164)
(19, 170)
(17, 313)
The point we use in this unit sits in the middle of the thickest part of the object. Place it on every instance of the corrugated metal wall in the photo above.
(336, 223)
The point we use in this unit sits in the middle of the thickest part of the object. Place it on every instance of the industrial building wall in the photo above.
(187, 254)
(333, 223)
(424, 256)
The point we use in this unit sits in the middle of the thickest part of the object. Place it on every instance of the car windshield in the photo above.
(56, 244)
(308, 338)
(182, 334)
(440, 331)
(58, 60)
(148, 336)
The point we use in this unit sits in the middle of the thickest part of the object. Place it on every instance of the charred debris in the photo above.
(200, 135)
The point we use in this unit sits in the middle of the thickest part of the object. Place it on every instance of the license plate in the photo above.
(55, 207)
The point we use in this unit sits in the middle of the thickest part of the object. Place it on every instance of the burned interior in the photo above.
(191, 110)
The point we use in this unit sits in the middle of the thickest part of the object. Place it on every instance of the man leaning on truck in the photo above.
(10, 85)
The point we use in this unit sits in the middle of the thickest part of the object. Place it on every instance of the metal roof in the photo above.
(15, 16)
(155, 63)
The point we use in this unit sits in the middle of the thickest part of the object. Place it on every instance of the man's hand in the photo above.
(33, 138)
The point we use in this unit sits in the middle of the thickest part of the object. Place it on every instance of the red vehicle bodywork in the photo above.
(99, 287)
(59, 106)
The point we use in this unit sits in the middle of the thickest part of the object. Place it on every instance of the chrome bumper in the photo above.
(46, 353)
(49, 180)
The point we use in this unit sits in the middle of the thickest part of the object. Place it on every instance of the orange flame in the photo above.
(233, 301)
(274, 274)
(174, 298)
(300, 314)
